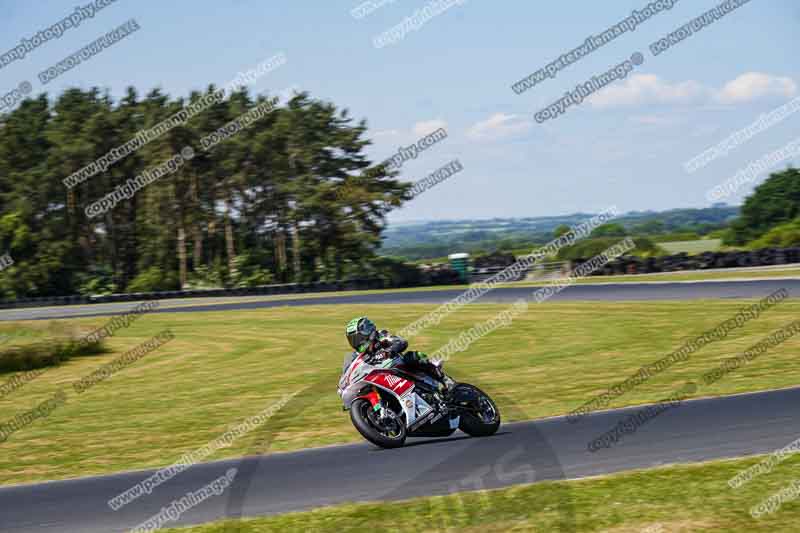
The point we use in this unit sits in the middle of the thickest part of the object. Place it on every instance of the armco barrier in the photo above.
(286, 288)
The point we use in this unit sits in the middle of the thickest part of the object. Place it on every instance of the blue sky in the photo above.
(626, 147)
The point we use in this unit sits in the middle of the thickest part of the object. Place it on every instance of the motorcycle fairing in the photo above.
(398, 385)
(416, 409)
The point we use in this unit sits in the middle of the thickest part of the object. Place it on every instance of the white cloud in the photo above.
(754, 85)
(657, 119)
(648, 89)
(428, 126)
(642, 89)
(386, 133)
(498, 126)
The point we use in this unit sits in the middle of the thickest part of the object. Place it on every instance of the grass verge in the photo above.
(36, 346)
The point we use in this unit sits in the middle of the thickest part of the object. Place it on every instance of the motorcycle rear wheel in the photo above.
(362, 417)
(480, 417)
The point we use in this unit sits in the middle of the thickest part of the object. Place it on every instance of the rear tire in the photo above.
(359, 415)
(472, 424)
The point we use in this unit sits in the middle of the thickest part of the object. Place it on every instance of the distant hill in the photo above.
(433, 239)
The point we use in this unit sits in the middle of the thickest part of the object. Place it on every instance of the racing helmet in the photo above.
(360, 333)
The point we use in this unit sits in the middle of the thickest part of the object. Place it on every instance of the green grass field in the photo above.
(225, 366)
(692, 247)
(672, 499)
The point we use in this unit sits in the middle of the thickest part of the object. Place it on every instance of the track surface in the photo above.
(521, 452)
(605, 292)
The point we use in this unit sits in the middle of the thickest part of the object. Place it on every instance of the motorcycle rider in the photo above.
(383, 348)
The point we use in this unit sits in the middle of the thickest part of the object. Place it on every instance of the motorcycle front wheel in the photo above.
(479, 414)
(389, 432)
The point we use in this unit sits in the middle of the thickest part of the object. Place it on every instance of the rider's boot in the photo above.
(446, 383)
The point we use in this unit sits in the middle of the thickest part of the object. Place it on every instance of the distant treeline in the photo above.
(768, 218)
(438, 239)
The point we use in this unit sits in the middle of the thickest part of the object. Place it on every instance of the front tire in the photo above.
(480, 417)
(392, 435)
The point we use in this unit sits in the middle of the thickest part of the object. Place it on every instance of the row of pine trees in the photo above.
(263, 207)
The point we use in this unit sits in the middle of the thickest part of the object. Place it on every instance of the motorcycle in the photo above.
(388, 402)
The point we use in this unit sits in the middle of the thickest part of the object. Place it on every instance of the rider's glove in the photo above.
(394, 344)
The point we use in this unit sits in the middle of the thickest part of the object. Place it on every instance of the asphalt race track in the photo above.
(603, 292)
(522, 452)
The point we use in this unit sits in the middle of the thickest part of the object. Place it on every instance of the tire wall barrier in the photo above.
(703, 261)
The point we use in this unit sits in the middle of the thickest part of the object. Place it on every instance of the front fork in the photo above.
(375, 401)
